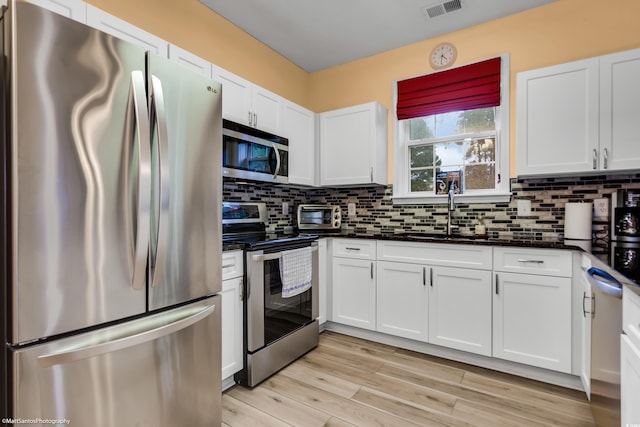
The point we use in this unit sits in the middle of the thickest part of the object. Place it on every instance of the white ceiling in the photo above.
(318, 34)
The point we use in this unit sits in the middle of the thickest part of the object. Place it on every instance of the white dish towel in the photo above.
(295, 271)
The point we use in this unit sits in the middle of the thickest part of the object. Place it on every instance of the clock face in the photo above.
(443, 55)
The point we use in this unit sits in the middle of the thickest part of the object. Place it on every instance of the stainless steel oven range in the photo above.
(281, 292)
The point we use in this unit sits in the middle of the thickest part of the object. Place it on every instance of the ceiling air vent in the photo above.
(442, 8)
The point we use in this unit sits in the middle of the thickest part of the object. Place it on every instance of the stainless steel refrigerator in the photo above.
(111, 231)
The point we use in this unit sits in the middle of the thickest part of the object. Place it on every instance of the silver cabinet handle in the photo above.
(371, 270)
(371, 173)
(605, 157)
(497, 290)
(424, 276)
(250, 118)
(185, 318)
(138, 113)
(595, 158)
(161, 221)
(431, 277)
(584, 310)
(255, 119)
(228, 265)
(531, 261)
(352, 249)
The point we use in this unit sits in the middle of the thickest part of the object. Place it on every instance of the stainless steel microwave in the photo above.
(249, 153)
(319, 217)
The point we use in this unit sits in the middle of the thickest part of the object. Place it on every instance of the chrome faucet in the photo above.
(451, 206)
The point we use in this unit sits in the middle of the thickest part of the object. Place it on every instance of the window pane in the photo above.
(421, 128)
(451, 153)
(421, 156)
(473, 121)
(422, 180)
(482, 150)
(479, 176)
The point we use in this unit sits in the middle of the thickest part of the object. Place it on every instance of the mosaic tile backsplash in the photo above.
(376, 213)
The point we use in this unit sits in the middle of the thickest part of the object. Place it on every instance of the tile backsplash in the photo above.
(376, 213)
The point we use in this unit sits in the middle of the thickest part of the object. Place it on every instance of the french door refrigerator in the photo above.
(110, 230)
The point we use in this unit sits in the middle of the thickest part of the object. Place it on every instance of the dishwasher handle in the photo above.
(605, 282)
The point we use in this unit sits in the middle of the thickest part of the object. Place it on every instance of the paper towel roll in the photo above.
(577, 220)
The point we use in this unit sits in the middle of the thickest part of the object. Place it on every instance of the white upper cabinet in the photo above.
(557, 118)
(249, 104)
(74, 9)
(190, 60)
(298, 125)
(117, 27)
(620, 110)
(579, 117)
(353, 145)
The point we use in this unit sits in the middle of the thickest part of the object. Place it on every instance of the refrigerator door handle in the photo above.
(137, 112)
(161, 206)
(78, 351)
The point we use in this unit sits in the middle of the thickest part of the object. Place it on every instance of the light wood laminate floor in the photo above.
(348, 381)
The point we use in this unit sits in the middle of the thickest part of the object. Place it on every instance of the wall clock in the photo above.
(443, 55)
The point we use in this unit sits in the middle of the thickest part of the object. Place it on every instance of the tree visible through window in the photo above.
(462, 141)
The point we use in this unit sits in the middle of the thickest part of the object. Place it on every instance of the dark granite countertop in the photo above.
(457, 239)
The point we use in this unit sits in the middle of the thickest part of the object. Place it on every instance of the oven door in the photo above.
(270, 316)
(627, 224)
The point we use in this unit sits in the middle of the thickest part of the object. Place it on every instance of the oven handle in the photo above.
(275, 255)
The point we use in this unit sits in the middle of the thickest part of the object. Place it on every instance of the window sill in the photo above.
(462, 198)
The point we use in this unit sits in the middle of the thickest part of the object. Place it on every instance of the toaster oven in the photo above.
(319, 217)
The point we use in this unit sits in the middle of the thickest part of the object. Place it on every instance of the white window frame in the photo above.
(401, 165)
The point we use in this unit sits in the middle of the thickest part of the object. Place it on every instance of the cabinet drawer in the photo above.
(232, 264)
(355, 248)
(443, 254)
(548, 262)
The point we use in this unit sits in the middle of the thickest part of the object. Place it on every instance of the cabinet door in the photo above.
(190, 60)
(103, 21)
(460, 309)
(353, 146)
(232, 357)
(354, 292)
(629, 382)
(532, 320)
(403, 300)
(236, 96)
(266, 110)
(74, 9)
(557, 119)
(298, 125)
(619, 110)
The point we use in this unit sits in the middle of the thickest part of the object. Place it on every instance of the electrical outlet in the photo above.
(601, 208)
(351, 209)
(285, 208)
(524, 207)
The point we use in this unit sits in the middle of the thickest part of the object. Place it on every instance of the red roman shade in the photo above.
(463, 88)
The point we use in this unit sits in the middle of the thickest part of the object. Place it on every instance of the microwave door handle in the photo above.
(275, 149)
(162, 207)
(137, 122)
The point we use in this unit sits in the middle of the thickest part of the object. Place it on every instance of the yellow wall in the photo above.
(194, 27)
(559, 32)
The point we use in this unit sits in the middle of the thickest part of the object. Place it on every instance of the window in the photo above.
(466, 149)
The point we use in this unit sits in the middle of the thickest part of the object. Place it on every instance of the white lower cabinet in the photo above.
(353, 287)
(629, 382)
(532, 320)
(630, 359)
(232, 323)
(403, 300)
(460, 309)
(354, 292)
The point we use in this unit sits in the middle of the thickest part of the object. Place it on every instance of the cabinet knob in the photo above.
(595, 159)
